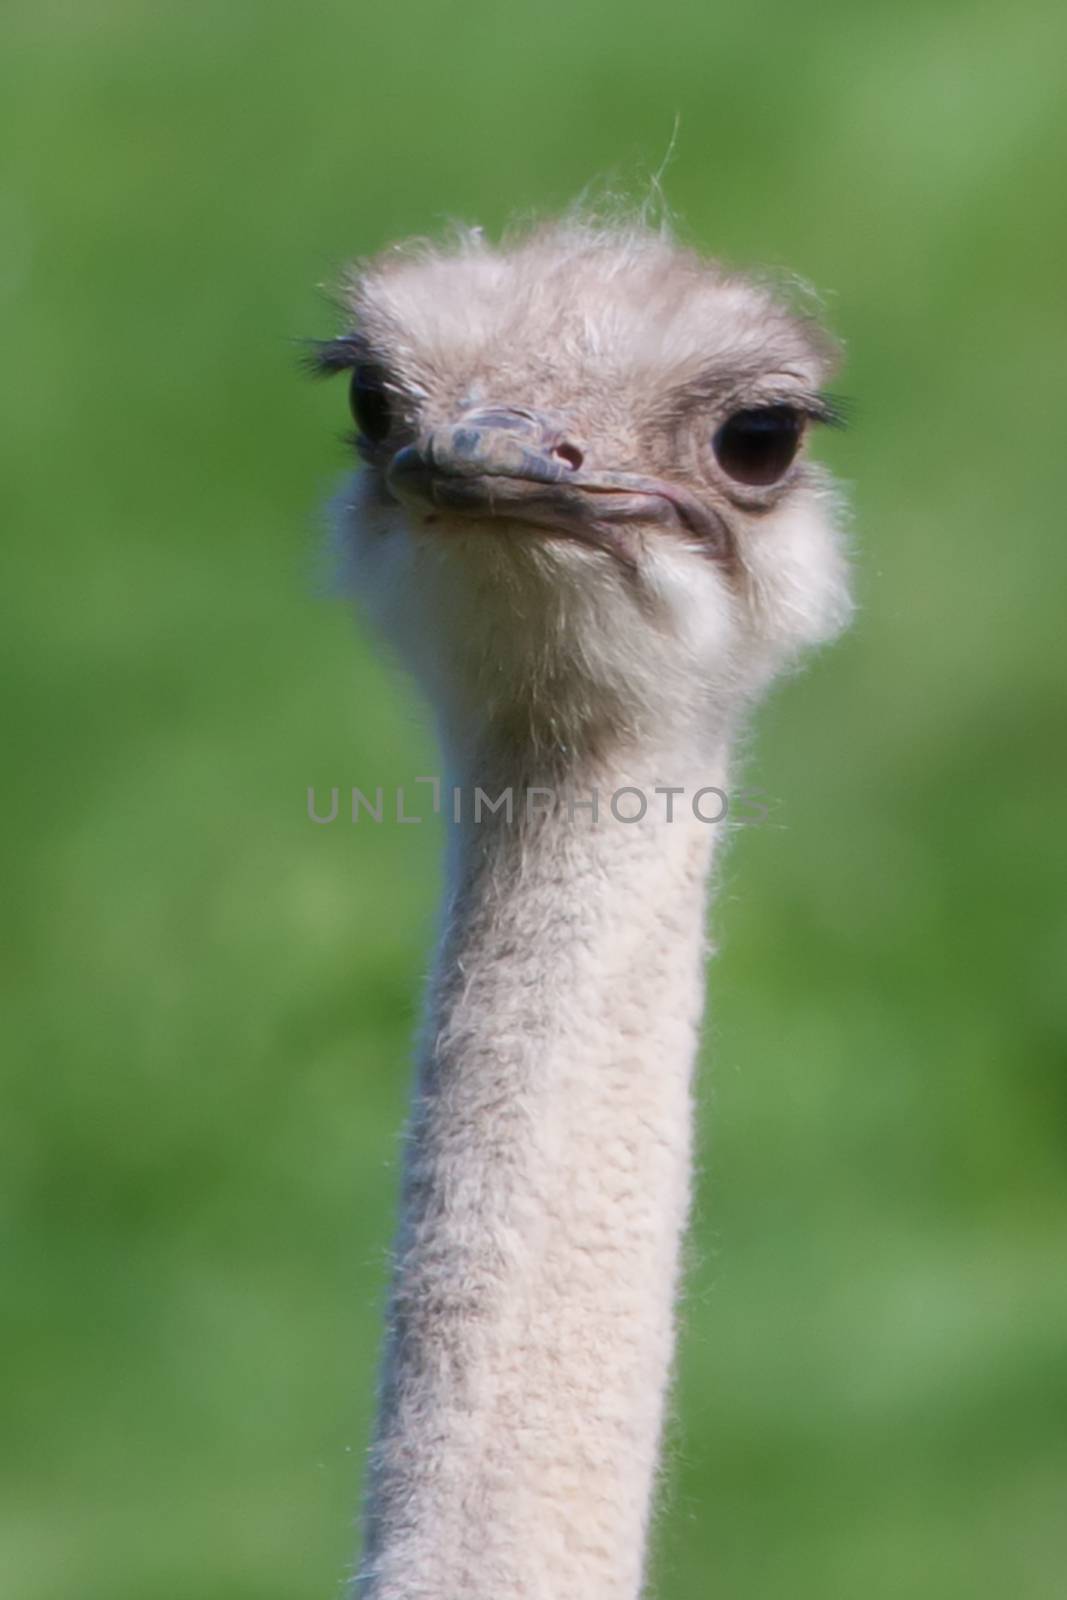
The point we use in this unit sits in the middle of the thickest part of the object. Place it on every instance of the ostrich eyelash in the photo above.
(833, 410)
(324, 358)
(830, 410)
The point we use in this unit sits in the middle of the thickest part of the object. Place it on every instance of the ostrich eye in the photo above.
(369, 400)
(758, 446)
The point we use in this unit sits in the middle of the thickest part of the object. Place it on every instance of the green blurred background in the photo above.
(208, 1001)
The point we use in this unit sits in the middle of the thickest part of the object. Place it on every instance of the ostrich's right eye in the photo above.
(369, 400)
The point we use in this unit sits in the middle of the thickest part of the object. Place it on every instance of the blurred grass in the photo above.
(208, 1001)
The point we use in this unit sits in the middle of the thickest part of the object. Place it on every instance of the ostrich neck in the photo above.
(546, 1190)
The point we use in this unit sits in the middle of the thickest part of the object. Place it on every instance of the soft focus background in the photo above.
(208, 1001)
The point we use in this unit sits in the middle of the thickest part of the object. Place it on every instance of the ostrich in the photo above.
(587, 525)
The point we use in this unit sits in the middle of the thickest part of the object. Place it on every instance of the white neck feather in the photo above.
(546, 1190)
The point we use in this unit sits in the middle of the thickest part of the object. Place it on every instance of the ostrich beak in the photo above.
(518, 466)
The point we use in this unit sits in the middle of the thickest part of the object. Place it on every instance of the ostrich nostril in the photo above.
(571, 454)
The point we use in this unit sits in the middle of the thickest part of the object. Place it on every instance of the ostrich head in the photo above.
(587, 510)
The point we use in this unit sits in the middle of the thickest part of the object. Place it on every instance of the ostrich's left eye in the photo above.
(369, 400)
(758, 446)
